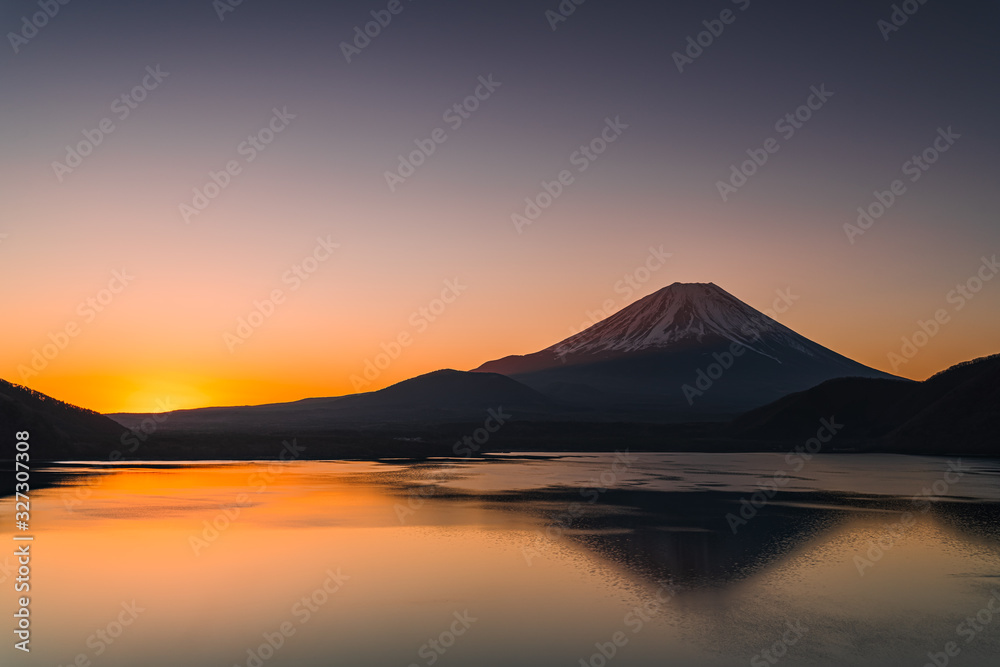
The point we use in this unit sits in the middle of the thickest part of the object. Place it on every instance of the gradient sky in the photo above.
(160, 341)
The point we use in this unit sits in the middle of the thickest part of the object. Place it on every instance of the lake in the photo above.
(624, 559)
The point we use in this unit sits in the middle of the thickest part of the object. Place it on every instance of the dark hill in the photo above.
(444, 396)
(956, 411)
(57, 429)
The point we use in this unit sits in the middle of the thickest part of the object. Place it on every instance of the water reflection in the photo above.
(540, 560)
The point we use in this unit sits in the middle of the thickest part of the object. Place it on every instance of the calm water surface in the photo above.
(529, 560)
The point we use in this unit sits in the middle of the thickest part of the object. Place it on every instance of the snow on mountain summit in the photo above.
(678, 312)
(649, 351)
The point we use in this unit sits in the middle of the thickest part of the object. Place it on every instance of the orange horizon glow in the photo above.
(134, 383)
(134, 254)
(347, 289)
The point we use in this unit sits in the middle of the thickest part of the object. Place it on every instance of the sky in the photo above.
(208, 203)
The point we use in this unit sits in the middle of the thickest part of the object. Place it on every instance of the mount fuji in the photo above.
(687, 350)
(687, 368)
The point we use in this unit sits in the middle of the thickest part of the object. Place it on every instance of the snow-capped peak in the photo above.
(678, 312)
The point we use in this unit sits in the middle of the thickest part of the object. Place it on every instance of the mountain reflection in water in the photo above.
(529, 560)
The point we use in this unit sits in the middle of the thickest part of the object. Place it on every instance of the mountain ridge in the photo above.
(74, 431)
(626, 378)
(952, 413)
(650, 350)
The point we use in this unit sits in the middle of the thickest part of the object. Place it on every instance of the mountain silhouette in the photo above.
(444, 396)
(689, 349)
(955, 411)
(688, 368)
(54, 426)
